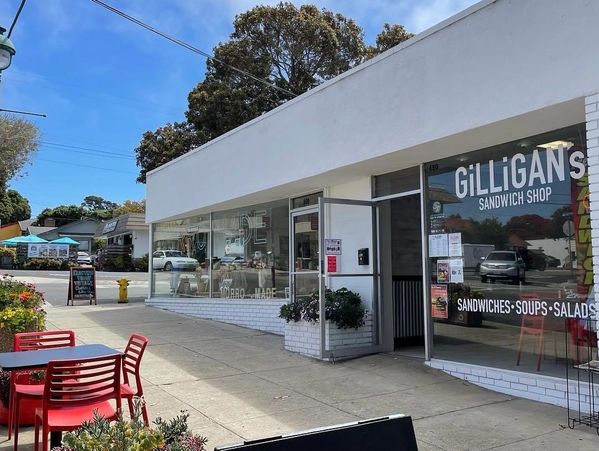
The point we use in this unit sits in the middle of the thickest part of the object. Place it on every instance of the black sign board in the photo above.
(82, 284)
(392, 433)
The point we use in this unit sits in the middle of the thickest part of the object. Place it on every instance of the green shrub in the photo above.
(141, 264)
(10, 253)
(121, 435)
(43, 263)
(342, 307)
(118, 263)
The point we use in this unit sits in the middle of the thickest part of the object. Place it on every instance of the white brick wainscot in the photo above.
(304, 337)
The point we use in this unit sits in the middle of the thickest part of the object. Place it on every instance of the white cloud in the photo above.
(426, 14)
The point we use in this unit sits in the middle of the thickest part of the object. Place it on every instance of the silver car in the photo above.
(503, 265)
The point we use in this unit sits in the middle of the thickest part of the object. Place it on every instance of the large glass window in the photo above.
(250, 252)
(180, 253)
(510, 253)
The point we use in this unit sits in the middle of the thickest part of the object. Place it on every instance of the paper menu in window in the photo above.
(456, 270)
(454, 244)
(438, 245)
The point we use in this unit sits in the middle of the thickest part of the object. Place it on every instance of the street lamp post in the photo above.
(7, 50)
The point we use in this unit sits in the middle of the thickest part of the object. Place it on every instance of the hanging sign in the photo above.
(82, 284)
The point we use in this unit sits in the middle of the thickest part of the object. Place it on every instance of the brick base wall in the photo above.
(551, 390)
(304, 337)
(259, 314)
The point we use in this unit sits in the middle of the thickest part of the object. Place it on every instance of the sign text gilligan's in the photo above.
(513, 184)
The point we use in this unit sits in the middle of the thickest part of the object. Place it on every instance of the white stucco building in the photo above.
(481, 131)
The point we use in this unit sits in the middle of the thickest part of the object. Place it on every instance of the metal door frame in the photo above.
(292, 251)
(377, 345)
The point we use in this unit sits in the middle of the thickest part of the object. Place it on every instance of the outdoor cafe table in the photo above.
(26, 360)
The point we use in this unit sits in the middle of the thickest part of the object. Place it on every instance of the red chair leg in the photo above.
(144, 412)
(36, 442)
(16, 407)
(541, 352)
(131, 410)
(45, 437)
(11, 410)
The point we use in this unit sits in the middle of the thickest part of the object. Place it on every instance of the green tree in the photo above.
(165, 144)
(391, 36)
(130, 206)
(19, 140)
(97, 203)
(63, 214)
(13, 207)
(293, 48)
(492, 231)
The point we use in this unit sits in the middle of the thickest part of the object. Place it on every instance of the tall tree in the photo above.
(164, 145)
(130, 206)
(391, 36)
(63, 214)
(97, 203)
(19, 139)
(293, 48)
(13, 207)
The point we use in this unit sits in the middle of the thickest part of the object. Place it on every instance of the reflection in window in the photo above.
(179, 258)
(251, 252)
(511, 263)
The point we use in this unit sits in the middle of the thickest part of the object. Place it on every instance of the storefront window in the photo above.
(180, 252)
(510, 253)
(251, 252)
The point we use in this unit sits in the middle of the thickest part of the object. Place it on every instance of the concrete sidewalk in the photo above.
(241, 384)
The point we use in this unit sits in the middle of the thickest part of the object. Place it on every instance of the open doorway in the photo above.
(406, 263)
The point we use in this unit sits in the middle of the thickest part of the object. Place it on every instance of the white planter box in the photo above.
(304, 337)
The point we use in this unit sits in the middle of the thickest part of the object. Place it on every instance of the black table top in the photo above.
(40, 358)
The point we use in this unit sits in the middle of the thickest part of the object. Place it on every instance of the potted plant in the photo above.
(343, 308)
(455, 316)
(20, 311)
(102, 435)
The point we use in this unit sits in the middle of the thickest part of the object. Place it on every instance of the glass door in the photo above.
(348, 244)
(304, 269)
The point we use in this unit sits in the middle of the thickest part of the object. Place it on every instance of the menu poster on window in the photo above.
(33, 250)
(439, 301)
(456, 270)
(438, 245)
(455, 244)
(442, 271)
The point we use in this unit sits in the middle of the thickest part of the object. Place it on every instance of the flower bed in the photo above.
(20, 311)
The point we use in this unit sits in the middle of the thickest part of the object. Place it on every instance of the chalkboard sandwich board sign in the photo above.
(82, 284)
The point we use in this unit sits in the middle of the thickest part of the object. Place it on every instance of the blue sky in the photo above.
(103, 81)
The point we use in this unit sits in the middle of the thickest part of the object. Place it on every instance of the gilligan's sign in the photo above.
(520, 179)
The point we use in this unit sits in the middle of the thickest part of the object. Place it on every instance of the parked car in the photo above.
(172, 259)
(552, 262)
(533, 258)
(83, 258)
(503, 265)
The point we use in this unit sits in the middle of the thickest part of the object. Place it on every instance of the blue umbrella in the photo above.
(64, 240)
(23, 239)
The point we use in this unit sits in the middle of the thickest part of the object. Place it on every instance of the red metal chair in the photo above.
(131, 363)
(532, 325)
(68, 402)
(31, 341)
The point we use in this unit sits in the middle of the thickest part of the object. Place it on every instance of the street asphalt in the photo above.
(241, 384)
